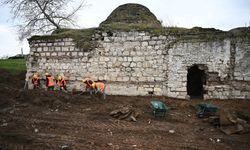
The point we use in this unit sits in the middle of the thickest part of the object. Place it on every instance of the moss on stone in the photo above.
(82, 37)
(132, 14)
(241, 32)
(135, 17)
(132, 27)
(197, 33)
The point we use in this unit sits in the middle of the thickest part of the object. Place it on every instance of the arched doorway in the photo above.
(195, 81)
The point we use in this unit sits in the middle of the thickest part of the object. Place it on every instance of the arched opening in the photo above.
(195, 81)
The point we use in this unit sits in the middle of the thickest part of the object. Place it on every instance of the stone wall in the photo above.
(240, 84)
(139, 63)
(132, 63)
(215, 55)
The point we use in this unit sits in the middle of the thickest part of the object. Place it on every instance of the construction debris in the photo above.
(171, 131)
(36, 130)
(230, 123)
(125, 112)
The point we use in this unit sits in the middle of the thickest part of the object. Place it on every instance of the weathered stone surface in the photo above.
(136, 63)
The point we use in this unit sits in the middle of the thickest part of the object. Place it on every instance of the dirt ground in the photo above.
(36, 119)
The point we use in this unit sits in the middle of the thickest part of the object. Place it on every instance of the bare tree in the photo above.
(42, 16)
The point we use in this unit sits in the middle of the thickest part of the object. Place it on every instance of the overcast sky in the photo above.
(219, 14)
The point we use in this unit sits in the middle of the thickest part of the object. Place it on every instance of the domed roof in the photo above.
(134, 14)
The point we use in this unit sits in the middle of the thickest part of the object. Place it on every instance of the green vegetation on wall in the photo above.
(135, 17)
(113, 27)
(134, 14)
(197, 33)
(82, 37)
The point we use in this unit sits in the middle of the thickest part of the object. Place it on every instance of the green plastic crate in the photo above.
(159, 108)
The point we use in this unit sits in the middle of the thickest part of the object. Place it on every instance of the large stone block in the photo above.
(137, 59)
(152, 42)
(74, 54)
(130, 38)
(145, 38)
(113, 89)
(39, 49)
(246, 78)
(144, 44)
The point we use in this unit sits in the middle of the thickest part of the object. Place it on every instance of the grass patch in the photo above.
(82, 37)
(13, 65)
(132, 27)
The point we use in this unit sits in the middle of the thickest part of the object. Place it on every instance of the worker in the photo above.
(49, 82)
(89, 85)
(36, 81)
(99, 87)
(61, 82)
(95, 87)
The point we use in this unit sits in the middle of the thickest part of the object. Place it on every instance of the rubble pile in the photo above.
(125, 112)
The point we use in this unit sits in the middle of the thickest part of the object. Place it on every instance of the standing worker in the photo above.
(49, 82)
(61, 82)
(36, 81)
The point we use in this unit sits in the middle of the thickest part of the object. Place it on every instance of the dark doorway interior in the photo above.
(195, 81)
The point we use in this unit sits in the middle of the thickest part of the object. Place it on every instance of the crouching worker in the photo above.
(99, 87)
(49, 82)
(62, 83)
(88, 86)
(94, 87)
(36, 81)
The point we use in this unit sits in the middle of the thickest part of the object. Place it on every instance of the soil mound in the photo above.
(11, 79)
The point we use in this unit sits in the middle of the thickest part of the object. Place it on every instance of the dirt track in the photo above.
(55, 120)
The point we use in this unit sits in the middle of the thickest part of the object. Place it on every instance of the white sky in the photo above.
(219, 14)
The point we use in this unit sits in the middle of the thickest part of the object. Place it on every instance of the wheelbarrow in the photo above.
(206, 110)
(159, 108)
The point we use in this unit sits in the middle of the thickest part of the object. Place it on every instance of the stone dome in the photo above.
(132, 14)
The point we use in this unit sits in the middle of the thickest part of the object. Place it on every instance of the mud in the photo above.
(37, 119)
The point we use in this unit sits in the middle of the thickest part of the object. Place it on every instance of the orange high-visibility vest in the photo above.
(100, 86)
(35, 81)
(61, 82)
(50, 81)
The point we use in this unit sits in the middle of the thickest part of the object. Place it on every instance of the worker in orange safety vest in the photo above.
(36, 81)
(61, 82)
(95, 87)
(89, 85)
(49, 82)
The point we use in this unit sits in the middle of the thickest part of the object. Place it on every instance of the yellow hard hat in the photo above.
(34, 76)
(46, 73)
(83, 81)
(59, 77)
(93, 85)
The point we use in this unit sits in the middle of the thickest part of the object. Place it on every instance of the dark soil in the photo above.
(36, 119)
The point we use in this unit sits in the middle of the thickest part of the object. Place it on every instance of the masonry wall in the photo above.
(131, 63)
(215, 55)
(138, 63)
(240, 84)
